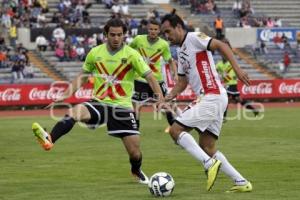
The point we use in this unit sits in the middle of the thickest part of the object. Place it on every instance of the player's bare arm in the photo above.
(228, 54)
(180, 86)
(173, 68)
(155, 86)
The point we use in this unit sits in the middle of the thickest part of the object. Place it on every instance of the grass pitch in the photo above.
(89, 165)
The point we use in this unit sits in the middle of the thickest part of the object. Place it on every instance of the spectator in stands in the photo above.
(41, 42)
(35, 12)
(270, 23)
(219, 26)
(286, 61)
(58, 33)
(286, 43)
(13, 34)
(41, 20)
(133, 26)
(3, 58)
(278, 41)
(116, 10)
(150, 14)
(61, 6)
(44, 5)
(72, 53)
(277, 22)
(55, 18)
(92, 41)
(67, 3)
(125, 8)
(244, 22)
(210, 7)
(80, 52)
(28, 70)
(236, 8)
(263, 48)
(17, 71)
(143, 27)
(108, 3)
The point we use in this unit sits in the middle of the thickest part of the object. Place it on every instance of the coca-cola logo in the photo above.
(285, 88)
(10, 94)
(84, 93)
(48, 94)
(261, 88)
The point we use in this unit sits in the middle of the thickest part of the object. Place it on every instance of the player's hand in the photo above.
(175, 78)
(243, 76)
(169, 97)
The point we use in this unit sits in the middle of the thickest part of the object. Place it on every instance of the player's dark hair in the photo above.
(173, 18)
(155, 22)
(114, 22)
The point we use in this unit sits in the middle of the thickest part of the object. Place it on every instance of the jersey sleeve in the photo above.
(166, 54)
(180, 70)
(139, 65)
(88, 65)
(201, 41)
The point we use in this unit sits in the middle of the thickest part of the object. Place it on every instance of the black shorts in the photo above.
(120, 121)
(232, 91)
(144, 93)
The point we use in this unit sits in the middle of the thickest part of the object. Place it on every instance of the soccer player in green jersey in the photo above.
(230, 81)
(153, 49)
(114, 66)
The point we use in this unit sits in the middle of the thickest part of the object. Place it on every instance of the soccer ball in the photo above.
(161, 184)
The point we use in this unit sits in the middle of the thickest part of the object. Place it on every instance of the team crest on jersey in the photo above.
(98, 58)
(124, 60)
(202, 35)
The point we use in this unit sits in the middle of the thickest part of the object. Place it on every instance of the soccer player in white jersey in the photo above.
(196, 67)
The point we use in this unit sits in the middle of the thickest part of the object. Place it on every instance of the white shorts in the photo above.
(206, 114)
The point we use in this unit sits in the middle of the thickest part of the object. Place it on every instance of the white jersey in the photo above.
(197, 64)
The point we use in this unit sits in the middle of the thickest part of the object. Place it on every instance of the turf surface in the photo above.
(89, 165)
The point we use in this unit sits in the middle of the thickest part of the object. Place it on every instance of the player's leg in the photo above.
(233, 90)
(207, 141)
(180, 134)
(247, 105)
(132, 145)
(121, 123)
(169, 115)
(75, 114)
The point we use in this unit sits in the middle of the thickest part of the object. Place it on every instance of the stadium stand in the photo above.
(286, 10)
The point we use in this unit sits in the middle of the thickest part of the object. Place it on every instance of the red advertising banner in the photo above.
(43, 94)
(276, 88)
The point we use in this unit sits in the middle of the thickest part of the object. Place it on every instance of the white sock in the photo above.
(229, 170)
(188, 142)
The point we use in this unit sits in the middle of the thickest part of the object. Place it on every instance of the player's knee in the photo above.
(174, 132)
(135, 155)
(209, 149)
(79, 113)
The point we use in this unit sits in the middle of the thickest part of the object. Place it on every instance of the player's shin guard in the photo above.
(62, 127)
(135, 164)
